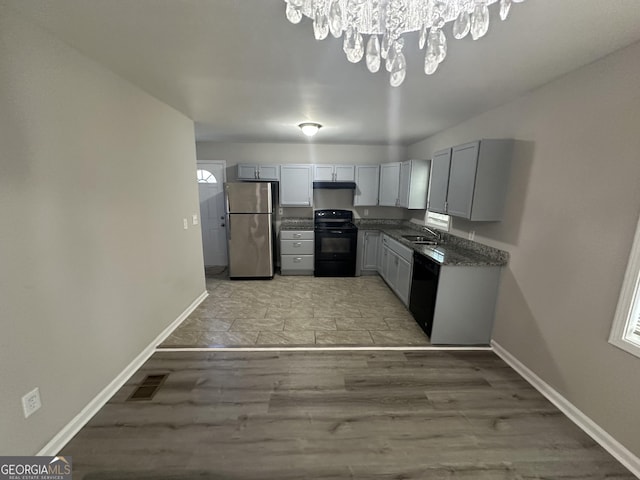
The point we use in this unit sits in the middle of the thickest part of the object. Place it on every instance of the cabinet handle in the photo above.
(297, 259)
(297, 235)
(446, 206)
(297, 244)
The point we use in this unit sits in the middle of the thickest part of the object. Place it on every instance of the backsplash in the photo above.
(343, 199)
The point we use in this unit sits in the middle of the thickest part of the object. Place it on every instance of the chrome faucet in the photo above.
(435, 233)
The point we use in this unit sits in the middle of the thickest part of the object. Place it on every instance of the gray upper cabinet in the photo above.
(334, 173)
(295, 185)
(389, 184)
(414, 182)
(462, 179)
(258, 172)
(477, 180)
(367, 184)
(439, 181)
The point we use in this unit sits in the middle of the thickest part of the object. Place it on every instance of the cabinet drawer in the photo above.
(296, 247)
(296, 234)
(398, 248)
(296, 263)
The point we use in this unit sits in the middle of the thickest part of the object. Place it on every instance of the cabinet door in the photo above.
(344, 173)
(439, 181)
(367, 183)
(380, 251)
(269, 172)
(405, 181)
(385, 263)
(323, 173)
(462, 179)
(370, 250)
(392, 270)
(295, 185)
(403, 279)
(389, 184)
(247, 172)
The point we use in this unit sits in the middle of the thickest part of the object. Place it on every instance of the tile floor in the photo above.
(298, 311)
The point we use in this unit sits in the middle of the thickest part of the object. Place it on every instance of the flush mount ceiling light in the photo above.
(385, 21)
(310, 128)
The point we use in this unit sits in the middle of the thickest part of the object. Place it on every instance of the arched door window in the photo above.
(205, 176)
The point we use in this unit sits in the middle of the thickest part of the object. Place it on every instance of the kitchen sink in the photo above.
(421, 239)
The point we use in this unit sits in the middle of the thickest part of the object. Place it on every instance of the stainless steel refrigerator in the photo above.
(250, 229)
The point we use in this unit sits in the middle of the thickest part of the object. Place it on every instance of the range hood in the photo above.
(335, 185)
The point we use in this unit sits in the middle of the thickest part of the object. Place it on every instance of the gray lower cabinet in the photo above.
(470, 180)
(368, 252)
(397, 267)
(296, 252)
(465, 305)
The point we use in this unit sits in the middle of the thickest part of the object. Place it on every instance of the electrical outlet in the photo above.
(280, 211)
(366, 212)
(194, 219)
(472, 234)
(31, 402)
(185, 223)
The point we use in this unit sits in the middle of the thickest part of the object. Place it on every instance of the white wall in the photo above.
(95, 178)
(572, 210)
(309, 153)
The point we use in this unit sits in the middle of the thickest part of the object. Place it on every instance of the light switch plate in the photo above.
(472, 234)
(185, 223)
(194, 219)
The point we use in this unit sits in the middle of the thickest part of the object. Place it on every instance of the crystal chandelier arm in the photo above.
(391, 19)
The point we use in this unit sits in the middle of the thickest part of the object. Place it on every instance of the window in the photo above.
(625, 332)
(438, 220)
(205, 176)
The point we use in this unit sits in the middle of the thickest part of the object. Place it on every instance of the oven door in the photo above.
(335, 252)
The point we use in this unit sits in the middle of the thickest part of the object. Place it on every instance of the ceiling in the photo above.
(243, 73)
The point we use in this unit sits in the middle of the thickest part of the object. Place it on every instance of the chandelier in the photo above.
(386, 21)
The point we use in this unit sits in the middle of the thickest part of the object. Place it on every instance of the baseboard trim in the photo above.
(284, 348)
(58, 442)
(591, 428)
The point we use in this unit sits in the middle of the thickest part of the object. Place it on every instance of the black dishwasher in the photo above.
(424, 287)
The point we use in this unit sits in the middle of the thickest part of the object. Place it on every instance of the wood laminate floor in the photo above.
(335, 415)
(298, 311)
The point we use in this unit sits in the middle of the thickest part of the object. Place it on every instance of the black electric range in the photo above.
(336, 240)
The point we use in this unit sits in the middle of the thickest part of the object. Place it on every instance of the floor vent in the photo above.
(148, 388)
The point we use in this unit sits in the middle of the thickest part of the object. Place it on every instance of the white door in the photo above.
(211, 177)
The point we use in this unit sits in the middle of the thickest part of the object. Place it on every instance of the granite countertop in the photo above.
(291, 223)
(453, 251)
